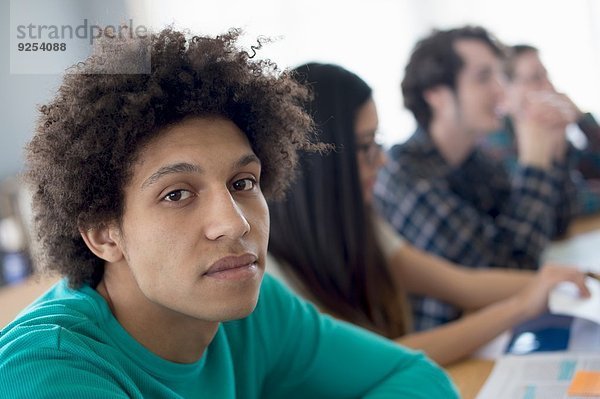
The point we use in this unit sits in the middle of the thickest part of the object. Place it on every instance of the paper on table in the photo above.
(541, 376)
(580, 251)
(565, 299)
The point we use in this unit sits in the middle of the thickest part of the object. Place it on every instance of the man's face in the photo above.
(479, 88)
(529, 76)
(195, 226)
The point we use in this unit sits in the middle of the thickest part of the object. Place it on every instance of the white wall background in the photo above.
(372, 38)
(21, 94)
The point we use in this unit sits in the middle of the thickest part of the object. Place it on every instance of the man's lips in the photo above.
(231, 262)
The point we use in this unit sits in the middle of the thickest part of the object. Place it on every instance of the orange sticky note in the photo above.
(585, 383)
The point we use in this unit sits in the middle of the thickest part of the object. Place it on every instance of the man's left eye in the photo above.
(177, 195)
(244, 184)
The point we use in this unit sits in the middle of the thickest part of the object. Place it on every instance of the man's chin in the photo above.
(242, 312)
(244, 304)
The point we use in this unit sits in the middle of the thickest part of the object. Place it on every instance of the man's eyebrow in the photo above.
(181, 167)
(246, 160)
(184, 167)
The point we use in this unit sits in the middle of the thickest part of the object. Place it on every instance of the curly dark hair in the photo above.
(88, 137)
(434, 62)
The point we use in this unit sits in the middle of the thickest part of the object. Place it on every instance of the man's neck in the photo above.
(165, 332)
(453, 143)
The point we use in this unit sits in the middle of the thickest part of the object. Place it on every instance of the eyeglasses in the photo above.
(370, 151)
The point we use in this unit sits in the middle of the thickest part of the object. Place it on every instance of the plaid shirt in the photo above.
(584, 163)
(472, 214)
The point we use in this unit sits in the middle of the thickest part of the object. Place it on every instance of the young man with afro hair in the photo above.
(149, 194)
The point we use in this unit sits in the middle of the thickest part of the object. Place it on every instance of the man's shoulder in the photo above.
(51, 343)
(415, 160)
(411, 168)
(58, 343)
(408, 152)
(60, 315)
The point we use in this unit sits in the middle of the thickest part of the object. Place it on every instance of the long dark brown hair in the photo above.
(323, 233)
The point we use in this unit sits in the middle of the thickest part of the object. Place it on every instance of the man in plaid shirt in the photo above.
(446, 197)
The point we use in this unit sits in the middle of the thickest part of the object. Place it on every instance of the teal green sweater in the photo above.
(67, 344)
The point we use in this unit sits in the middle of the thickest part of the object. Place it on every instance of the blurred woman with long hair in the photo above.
(328, 244)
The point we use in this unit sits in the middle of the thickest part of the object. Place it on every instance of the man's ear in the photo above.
(103, 241)
(437, 96)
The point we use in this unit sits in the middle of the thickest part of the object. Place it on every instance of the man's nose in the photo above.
(224, 218)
